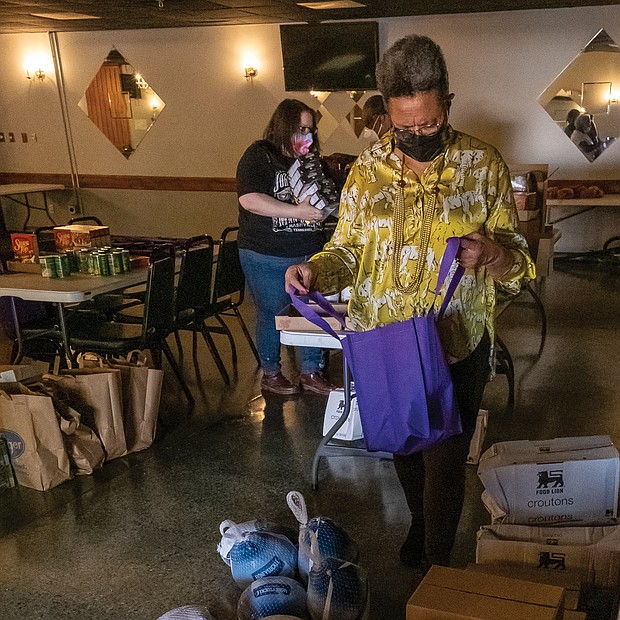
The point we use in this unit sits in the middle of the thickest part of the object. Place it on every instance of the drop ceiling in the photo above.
(21, 16)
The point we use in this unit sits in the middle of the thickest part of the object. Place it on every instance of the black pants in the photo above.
(434, 480)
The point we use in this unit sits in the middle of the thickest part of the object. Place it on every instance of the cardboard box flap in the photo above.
(494, 586)
(593, 550)
(448, 593)
(560, 449)
(570, 580)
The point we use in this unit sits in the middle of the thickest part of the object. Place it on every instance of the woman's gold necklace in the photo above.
(428, 212)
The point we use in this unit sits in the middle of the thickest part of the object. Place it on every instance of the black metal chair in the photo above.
(229, 288)
(193, 301)
(157, 322)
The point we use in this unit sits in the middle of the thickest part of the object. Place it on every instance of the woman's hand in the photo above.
(305, 211)
(477, 251)
(301, 277)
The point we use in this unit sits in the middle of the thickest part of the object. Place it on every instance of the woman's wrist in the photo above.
(501, 264)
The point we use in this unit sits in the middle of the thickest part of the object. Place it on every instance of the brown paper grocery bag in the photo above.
(141, 389)
(28, 423)
(97, 394)
(83, 446)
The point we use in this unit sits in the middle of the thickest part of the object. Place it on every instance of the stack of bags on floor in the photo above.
(553, 547)
(58, 426)
(312, 574)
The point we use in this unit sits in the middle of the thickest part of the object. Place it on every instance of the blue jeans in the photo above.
(264, 277)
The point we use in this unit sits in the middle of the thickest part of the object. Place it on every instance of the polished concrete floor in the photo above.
(139, 537)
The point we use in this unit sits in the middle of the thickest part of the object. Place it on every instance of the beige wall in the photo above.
(499, 64)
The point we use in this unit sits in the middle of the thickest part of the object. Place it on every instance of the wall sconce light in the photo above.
(35, 74)
(250, 73)
(36, 64)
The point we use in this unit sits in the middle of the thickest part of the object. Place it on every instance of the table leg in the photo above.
(65, 335)
(326, 449)
(18, 333)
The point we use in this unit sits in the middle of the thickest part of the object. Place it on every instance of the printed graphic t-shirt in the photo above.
(262, 171)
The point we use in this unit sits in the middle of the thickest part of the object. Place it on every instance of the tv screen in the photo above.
(329, 57)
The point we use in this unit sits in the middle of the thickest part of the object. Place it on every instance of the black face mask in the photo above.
(421, 148)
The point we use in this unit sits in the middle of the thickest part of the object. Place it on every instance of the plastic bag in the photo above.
(332, 539)
(257, 554)
(337, 589)
(187, 612)
(273, 597)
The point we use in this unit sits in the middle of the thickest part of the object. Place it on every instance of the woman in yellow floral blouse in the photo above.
(406, 194)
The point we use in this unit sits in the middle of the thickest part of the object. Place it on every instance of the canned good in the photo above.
(48, 266)
(102, 267)
(115, 259)
(74, 265)
(126, 260)
(83, 261)
(62, 265)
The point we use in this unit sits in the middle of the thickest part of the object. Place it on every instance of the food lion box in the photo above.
(352, 428)
(595, 551)
(566, 480)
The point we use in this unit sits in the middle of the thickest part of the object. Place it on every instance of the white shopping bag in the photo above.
(352, 428)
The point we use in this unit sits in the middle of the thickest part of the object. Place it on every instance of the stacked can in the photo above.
(55, 266)
(104, 261)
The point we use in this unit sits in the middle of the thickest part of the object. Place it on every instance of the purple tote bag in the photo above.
(402, 380)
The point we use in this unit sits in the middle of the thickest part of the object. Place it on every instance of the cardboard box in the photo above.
(25, 246)
(21, 372)
(290, 320)
(81, 236)
(525, 200)
(593, 550)
(572, 614)
(352, 428)
(477, 440)
(455, 593)
(27, 267)
(526, 216)
(565, 480)
(571, 581)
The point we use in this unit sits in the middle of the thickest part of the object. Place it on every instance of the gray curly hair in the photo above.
(414, 64)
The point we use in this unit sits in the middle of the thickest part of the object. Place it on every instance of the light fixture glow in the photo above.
(250, 73)
(36, 65)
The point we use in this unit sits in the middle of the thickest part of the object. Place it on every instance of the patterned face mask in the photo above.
(301, 143)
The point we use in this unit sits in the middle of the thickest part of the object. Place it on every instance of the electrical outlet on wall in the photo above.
(2, 138)
(24, 137)
(11, 136)
(33, 137)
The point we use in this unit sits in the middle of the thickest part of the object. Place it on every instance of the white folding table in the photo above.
(76, 288)
(326, 448)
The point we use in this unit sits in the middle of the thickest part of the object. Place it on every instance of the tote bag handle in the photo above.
(449, 256)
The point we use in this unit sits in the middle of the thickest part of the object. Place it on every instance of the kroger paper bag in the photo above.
(30, 427)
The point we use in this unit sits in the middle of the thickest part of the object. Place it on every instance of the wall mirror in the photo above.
(583, 100)
(120, 102)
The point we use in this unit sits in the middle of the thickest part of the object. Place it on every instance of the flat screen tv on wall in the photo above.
(329, 57)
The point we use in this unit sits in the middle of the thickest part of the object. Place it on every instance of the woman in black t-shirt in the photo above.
(274, 233)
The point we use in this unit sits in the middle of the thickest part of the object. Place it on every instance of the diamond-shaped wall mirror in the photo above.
(584, 100)
(120, 102)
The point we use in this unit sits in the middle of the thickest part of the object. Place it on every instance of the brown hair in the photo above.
(284, 123)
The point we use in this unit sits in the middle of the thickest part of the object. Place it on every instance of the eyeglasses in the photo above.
(421, 130)
(306, 130)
